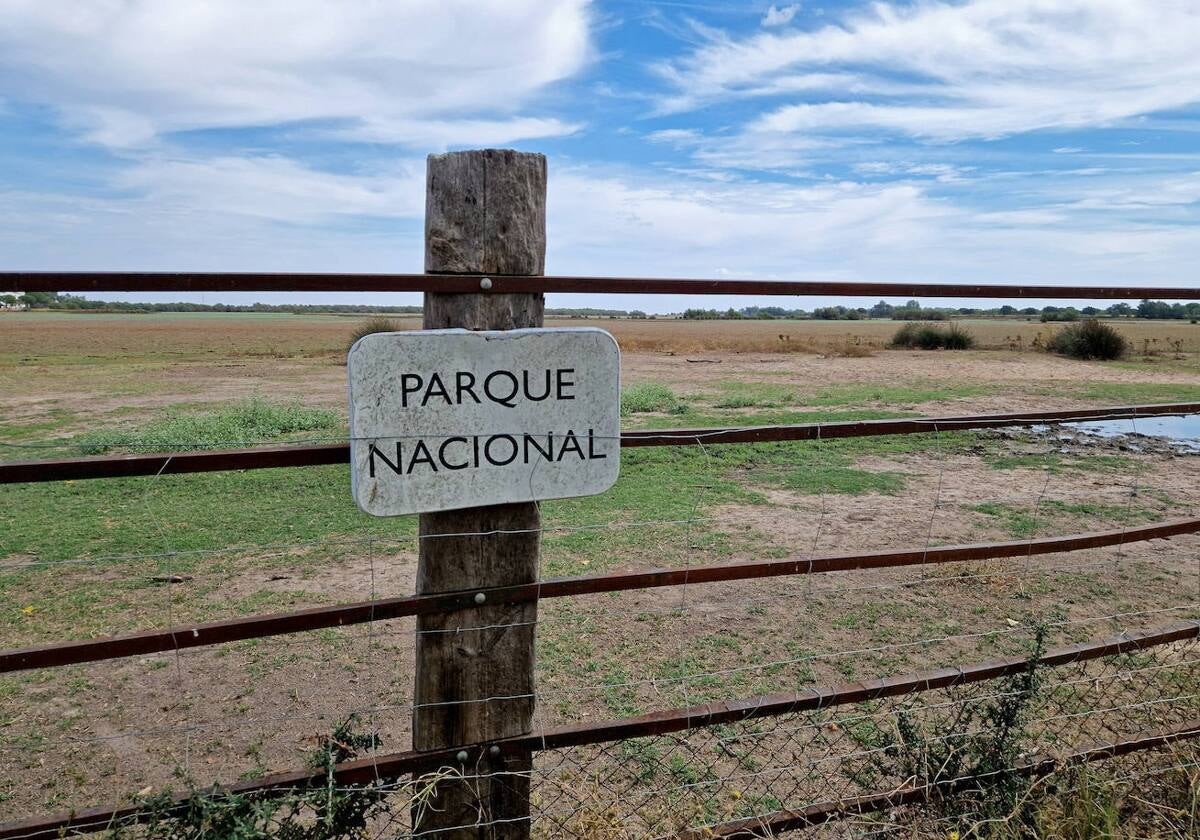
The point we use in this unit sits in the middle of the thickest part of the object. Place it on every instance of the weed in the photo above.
(316, 809)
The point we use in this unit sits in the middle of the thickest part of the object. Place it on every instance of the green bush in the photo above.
(930, 337)
(1089, 339)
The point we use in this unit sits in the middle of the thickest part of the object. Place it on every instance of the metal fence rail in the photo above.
(259, 626)
(271, 457)
(167, 281)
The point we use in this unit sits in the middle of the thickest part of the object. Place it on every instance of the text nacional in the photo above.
(444, 419)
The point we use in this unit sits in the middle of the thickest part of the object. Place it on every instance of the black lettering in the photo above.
(406, 388)
(442, 454)
(570, 442)
(436, 387)
(593, 455)
(468, 388)
(487, 449)
(507, 399)
(563, 382)
(421, 455)
(475, 443)
(529, 394)
(531, 440)
(372, 452)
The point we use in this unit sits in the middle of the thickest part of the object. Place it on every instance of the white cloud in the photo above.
(126, 71)
(980, 69)
(270, 213)
(780, 15)
(275, 188)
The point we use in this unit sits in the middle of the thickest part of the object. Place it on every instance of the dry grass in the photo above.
(40, 336)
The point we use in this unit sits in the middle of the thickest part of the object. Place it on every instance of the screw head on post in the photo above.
(485, 283)
(480, 597)
(462, 757)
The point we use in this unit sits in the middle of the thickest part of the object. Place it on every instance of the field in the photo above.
(90, 558)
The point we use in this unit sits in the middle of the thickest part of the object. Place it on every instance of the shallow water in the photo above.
(1182, 432)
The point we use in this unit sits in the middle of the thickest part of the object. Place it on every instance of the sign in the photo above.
(445, 419)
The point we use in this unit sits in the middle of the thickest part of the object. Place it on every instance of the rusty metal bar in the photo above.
(785, 820)
(167, 281)
(270, 457)
(370, 769)
(219, 632)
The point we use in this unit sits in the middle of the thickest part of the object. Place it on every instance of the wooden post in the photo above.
(485, 211)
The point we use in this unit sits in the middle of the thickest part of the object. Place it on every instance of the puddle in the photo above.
(1182, 433)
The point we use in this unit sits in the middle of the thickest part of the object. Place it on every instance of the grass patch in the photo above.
(1131, 392)
(736, 395)
(1021, 522)
(238, 424)
(867, 393)
(1055, 463)
(650, 397)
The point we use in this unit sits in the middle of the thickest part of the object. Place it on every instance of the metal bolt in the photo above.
(480, 597)
(462, 757)
(494, 750)
(485, 283)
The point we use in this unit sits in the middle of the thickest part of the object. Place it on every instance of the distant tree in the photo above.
(1006, 309)
(883, 309)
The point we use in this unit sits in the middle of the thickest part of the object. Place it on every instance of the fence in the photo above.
(756, 766)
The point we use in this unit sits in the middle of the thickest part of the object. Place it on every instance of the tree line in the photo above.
(53, 300)
(913, 311)
(909, 311)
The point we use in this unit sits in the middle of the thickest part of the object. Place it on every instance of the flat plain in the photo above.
(91, 558)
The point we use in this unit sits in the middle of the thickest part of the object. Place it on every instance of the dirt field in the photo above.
(85, 559)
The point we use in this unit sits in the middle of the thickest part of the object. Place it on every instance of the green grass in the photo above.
(692, 416)
(737, 394)
(1056, 463)
(1022, 521)
(237, 424)
(649, 397)
(1130, 392)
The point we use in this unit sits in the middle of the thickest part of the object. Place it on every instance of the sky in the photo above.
(1018, 141)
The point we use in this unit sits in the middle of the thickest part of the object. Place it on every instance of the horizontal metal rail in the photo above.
(785, 820)
(395, 765)
(252, 627)
(270, 457)
(169, 281)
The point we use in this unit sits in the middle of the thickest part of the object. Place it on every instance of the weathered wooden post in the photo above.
(485, 211)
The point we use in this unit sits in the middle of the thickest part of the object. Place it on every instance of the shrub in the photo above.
(372, 326)
(1089, 339)
(930, 337)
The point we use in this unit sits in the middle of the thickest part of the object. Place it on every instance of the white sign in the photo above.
(445, 419)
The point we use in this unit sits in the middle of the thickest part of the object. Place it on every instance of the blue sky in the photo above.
(1039, 141)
